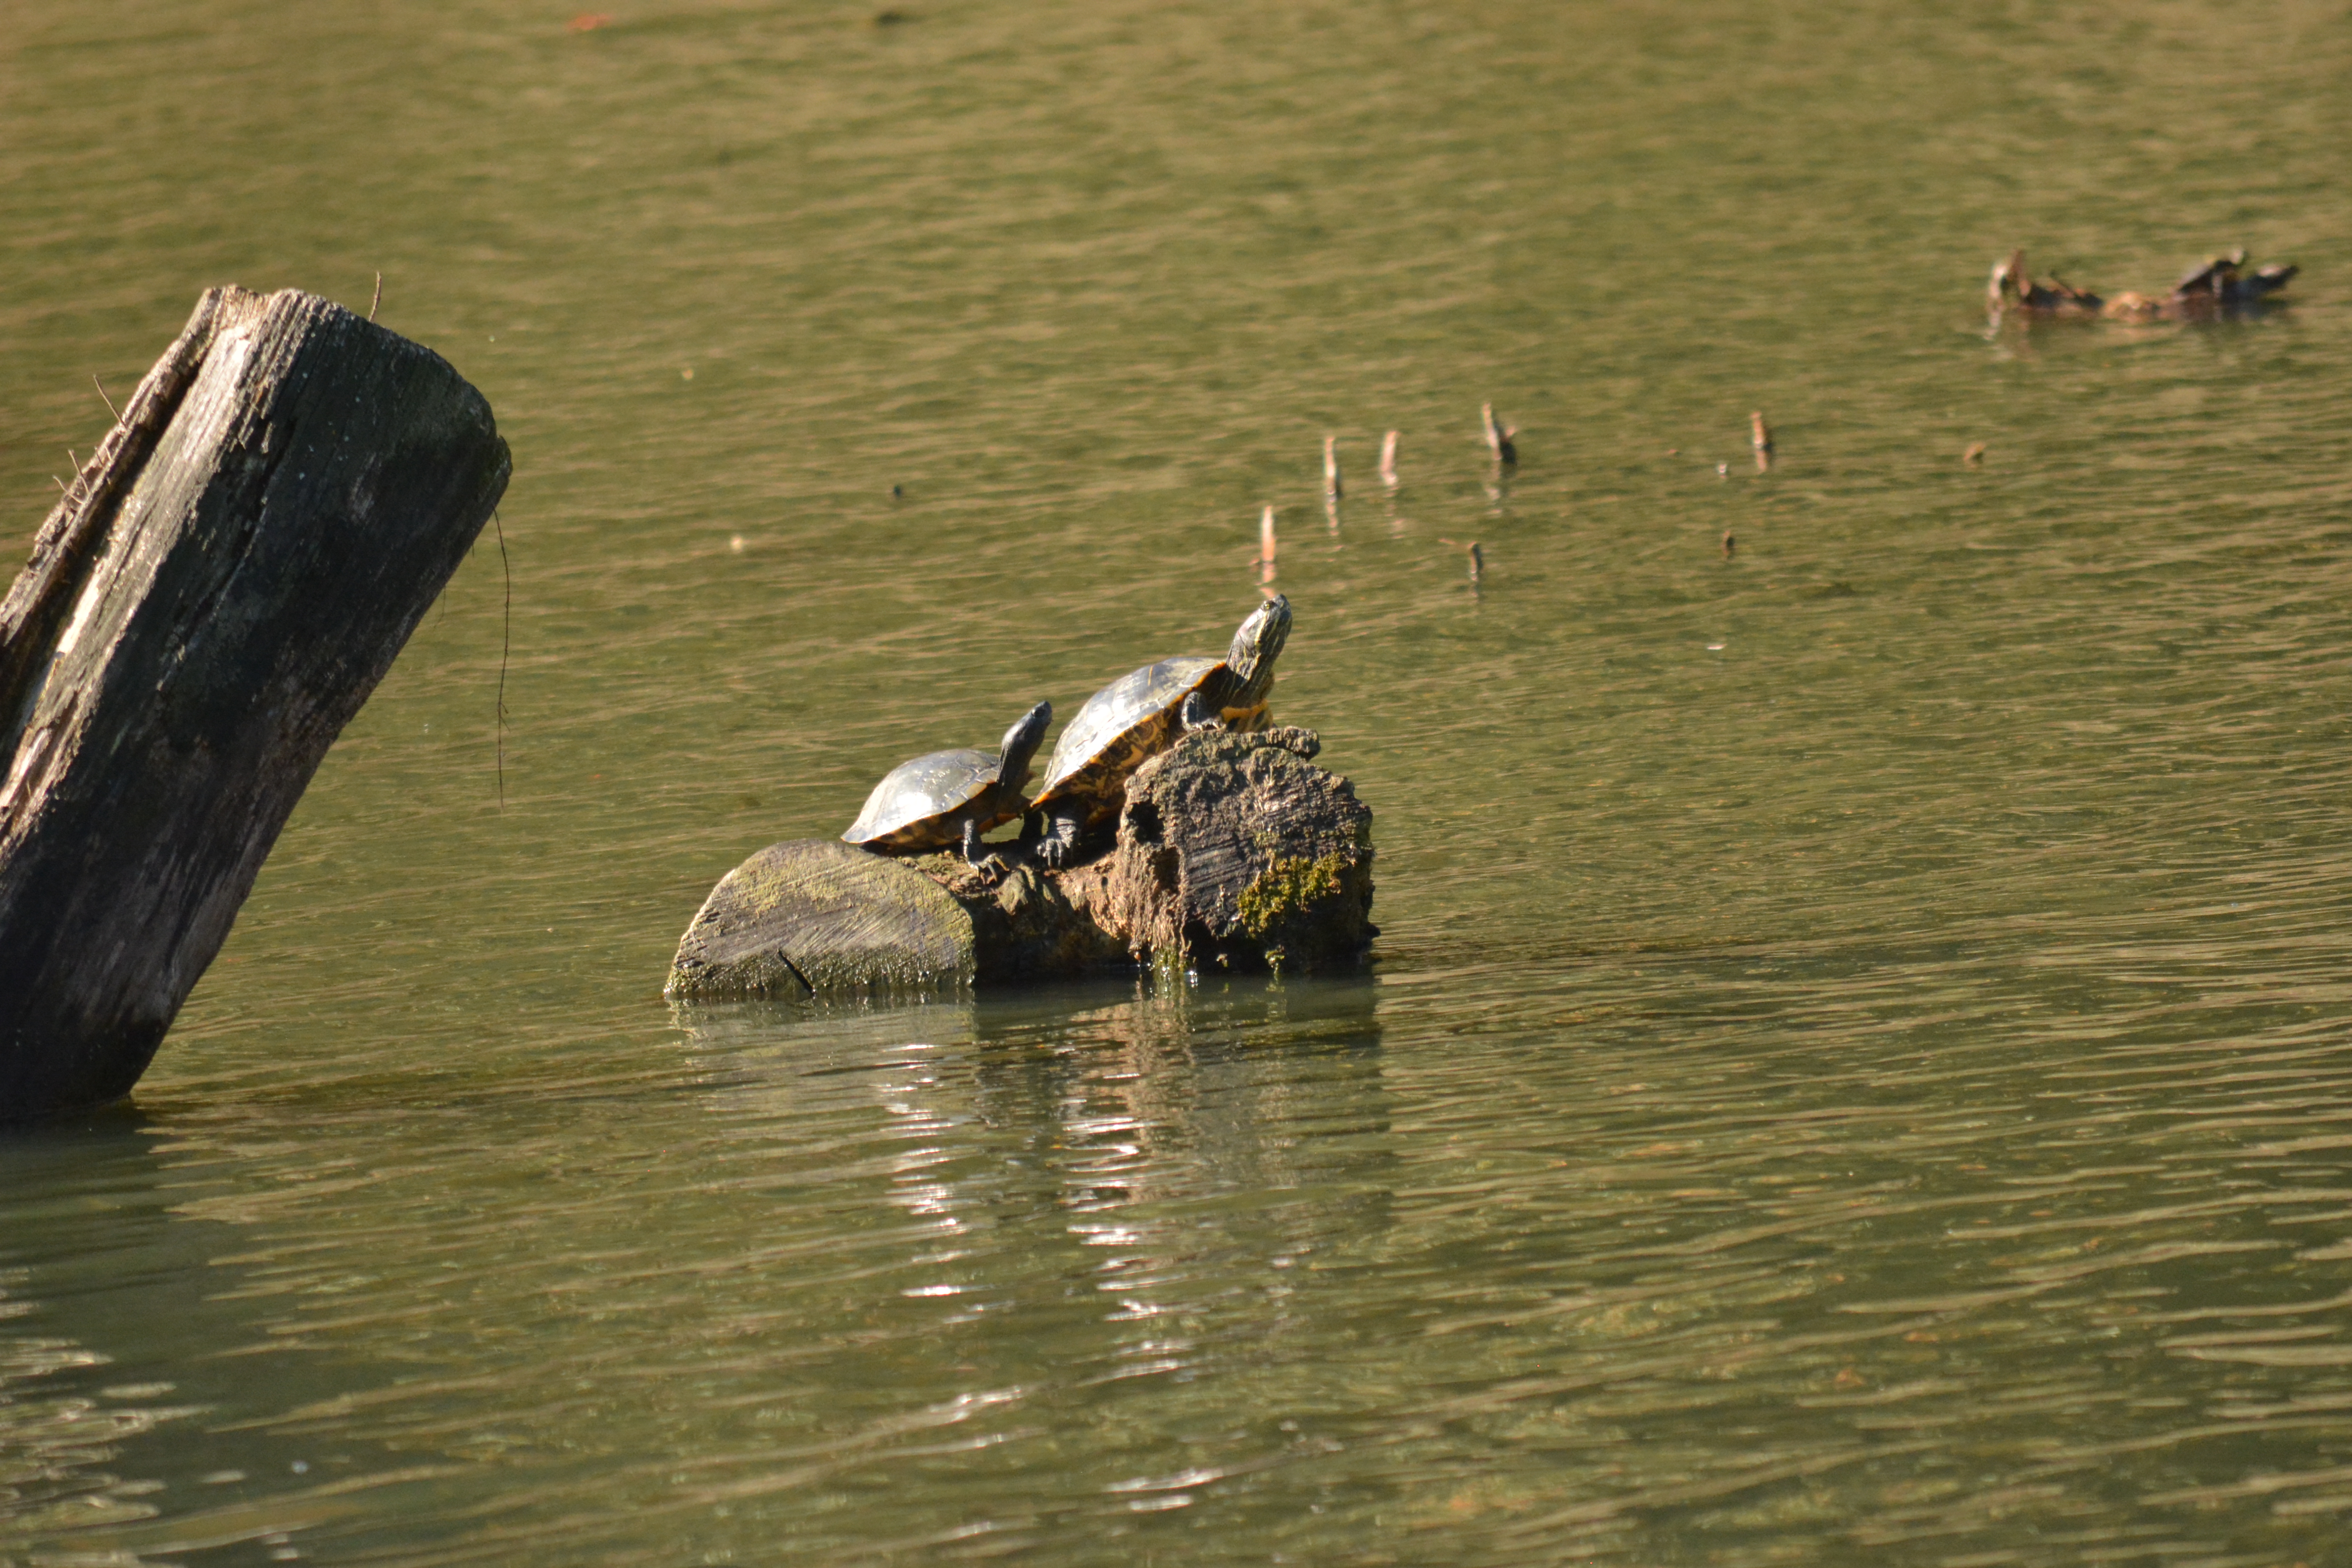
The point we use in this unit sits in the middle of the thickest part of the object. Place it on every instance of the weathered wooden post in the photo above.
(222, 586)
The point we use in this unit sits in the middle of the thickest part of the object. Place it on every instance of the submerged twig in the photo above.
(1387, 459)
(1477, 557)
(506, 646)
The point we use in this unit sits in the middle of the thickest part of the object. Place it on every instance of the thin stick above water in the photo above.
(1498, 435)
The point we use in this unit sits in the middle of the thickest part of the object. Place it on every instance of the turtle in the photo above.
(2217, 287)
(1141, 714)
(2056, 298)
(942, 800)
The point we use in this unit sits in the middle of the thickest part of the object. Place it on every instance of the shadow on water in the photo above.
(104, 1427)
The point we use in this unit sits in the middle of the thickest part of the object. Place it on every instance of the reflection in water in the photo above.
(1105, 1191)
(67, 1410)
(1726, 1251)
(108, 1436)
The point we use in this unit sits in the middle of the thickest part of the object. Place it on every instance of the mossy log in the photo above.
(219, 590)
(1233, 851)
(816, 914)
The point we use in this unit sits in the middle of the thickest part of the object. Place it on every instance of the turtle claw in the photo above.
(1051, 839)
(990, 862)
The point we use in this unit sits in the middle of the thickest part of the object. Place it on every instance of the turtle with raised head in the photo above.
(1141, 714)
(2010, 284)
(946, 800)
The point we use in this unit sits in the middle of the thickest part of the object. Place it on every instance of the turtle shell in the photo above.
(906, 809)
(1122, 725)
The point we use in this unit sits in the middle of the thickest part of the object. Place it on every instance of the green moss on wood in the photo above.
(1290, 885)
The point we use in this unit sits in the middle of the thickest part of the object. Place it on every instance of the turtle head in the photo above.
(1019, 745)
(2008, 278)
(1260, 638)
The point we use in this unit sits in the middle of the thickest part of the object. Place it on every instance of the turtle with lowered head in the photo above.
(946, 800)
(1141, 714)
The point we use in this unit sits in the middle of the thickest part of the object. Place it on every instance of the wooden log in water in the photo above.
(221, 587)
(1233, 851)
(818, 915)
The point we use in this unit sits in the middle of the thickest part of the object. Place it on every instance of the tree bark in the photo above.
(224, 582)
(1235, 851)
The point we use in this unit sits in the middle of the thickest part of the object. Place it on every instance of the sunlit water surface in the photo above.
(1855, 1070)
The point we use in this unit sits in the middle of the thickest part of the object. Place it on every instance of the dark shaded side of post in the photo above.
(219, 590)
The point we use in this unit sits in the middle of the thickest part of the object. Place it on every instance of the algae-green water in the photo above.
(1855, 1068)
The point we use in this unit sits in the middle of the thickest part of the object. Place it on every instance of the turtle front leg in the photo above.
(1053, 836)
(1196, 714)
(992, 864)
